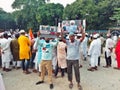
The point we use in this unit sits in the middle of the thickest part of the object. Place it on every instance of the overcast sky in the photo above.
(6, 4)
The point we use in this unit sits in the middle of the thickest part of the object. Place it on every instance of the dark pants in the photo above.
(99, 61)
(57, 70)
(108, 60)
(25, 64)
(75, 64)
(32, 59)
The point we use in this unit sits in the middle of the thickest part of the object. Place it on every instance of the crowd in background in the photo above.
(49, 56)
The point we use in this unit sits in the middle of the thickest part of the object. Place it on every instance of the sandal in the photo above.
(90, 69)
(116, 68)
(70, 85)
(39, 82)
(80, 87)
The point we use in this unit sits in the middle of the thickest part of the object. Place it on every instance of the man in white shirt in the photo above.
(108, 50)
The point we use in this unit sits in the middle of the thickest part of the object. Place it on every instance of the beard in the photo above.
(47, 41)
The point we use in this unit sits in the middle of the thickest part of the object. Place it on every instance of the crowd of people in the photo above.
(49, 56)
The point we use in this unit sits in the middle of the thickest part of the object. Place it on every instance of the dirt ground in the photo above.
(102, 79)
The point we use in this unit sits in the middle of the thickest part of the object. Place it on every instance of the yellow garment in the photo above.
(24, 47)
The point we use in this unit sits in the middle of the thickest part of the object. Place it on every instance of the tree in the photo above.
(98, 12)
(116, 16)
(32, 13)
(82, 9)
(50, 14)
(6, 20)
(27, 10)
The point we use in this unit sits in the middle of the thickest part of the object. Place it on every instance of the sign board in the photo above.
(67, 23)
(48, 31)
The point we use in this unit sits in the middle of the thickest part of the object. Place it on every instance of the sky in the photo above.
(6, 4)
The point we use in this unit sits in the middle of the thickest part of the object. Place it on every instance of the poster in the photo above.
(66, 25)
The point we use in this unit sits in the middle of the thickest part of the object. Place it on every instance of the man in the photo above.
(94, 53)
(24, 51)
(54, 52)
(46, 63)
(99, 47)
(33, 52)
(84, 47)
(6, 53)
(108, 50)
(15, 52)
(73, 56)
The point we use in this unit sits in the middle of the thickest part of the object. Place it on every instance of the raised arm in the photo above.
(62, 37)
(82, 32)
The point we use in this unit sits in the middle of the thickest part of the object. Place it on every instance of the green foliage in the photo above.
(96, 12)
(99, 14)
(50, 14)
(32, 13)
(6, 20)
(116, 15)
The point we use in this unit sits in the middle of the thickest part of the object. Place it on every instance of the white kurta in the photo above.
(109, 44)
(84, 46)
(94, 53)
(5, 47)
(99, 45)
(61, 55)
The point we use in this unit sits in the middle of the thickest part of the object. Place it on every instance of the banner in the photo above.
(67, 25)
(48, 31)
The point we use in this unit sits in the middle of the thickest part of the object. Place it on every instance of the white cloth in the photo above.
(84, 47)
(17, 63)
(99, 45)
(37, 65)
(6, 53)
(2, 86)
(109, 44)
(94, 53)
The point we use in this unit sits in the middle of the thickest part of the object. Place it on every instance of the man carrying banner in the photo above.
(46, 63)
(73, 56)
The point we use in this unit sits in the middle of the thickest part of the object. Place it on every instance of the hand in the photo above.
(2, 52)
(38, 33)
(89, 55)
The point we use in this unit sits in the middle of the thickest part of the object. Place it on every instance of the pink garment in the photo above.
(61, 55)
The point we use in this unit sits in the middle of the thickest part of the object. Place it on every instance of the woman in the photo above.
(117, 53)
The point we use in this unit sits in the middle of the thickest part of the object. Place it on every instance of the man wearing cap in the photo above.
(14, 46)
(108, 50)
(84, 47)
(24, 51)
(46, 60)
(94, 52)
(72, 27)
(6, 53)
(73, 56)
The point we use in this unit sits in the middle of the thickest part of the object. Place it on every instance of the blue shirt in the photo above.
(40, 50)
(73, 50)
(72, 28)
(47, 50)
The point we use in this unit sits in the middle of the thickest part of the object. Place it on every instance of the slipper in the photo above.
(90, 69)
(117, 68)
(80, 87)
(70, 85)
(39, 82)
